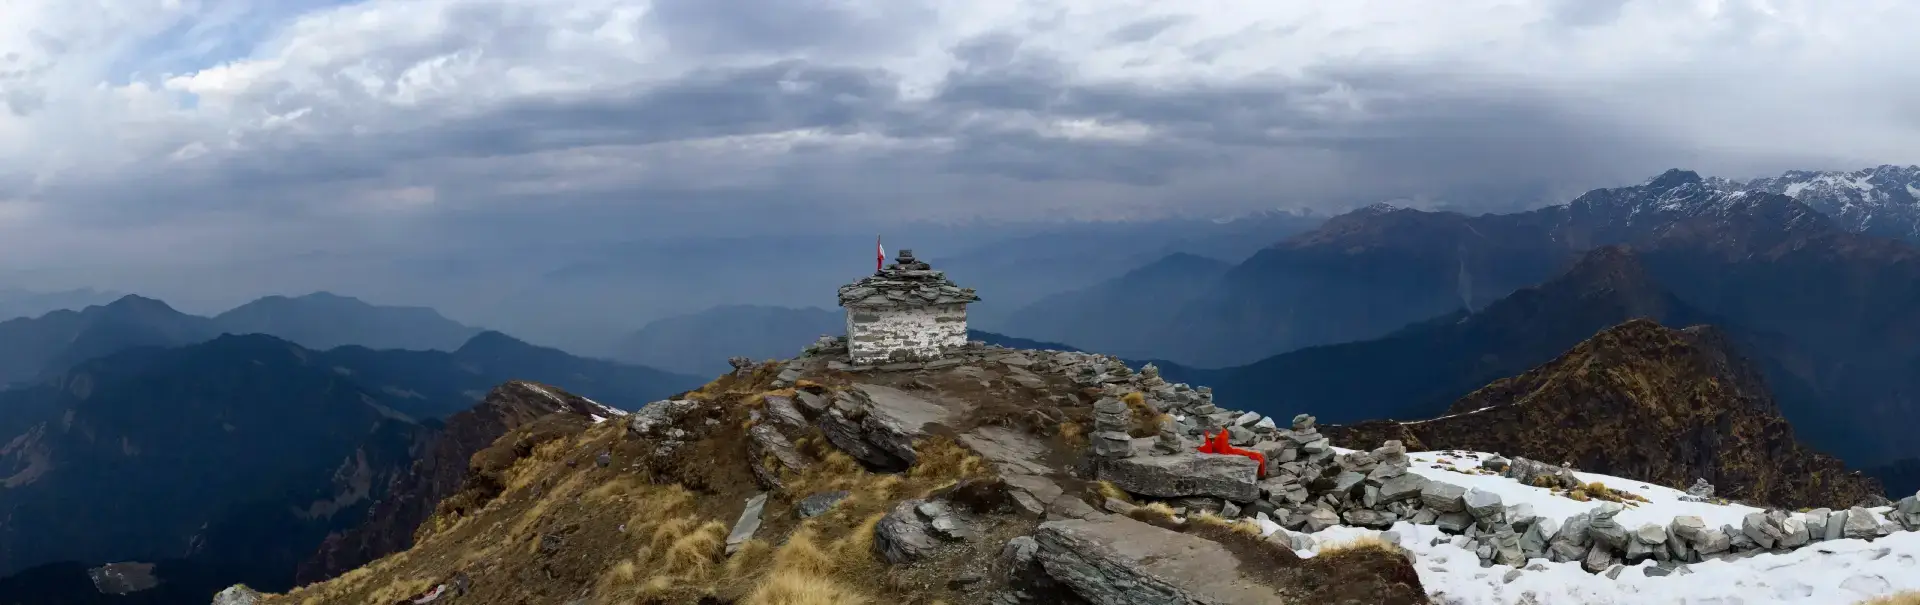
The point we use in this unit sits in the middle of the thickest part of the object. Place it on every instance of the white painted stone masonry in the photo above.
(879, 335)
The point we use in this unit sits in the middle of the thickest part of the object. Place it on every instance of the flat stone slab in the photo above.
(1115, 560)
(906, 410)
(1010, 451)
(1172, 476)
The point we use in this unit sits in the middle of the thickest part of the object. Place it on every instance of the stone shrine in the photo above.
(906, 311)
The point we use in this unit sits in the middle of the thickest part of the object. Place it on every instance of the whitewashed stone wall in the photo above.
(908, 333)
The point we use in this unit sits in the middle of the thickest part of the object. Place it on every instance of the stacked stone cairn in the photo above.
(1111, 419)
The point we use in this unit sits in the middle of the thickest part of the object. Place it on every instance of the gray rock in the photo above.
(1404, 487)
(1032, 493)
(1219, 476)
(1793, 533)
(1534, 541)
(1507, 549)
(1444, 497)
(1816, 521)
(1484, 505)
(1370, 518)
(1561, 551)
(1598, 559)
(237, 594)
(1713, 542)
(1115, 560)
(1836, 524)
(902, 536)
(1906, 512)
(1613, 573)
(1861, 524)
(749, 522)
(1320, 519)
(1495, 464)
(1067, 507)
(1690, 528)
(1453, 523)
(813, 403)
(782, 411)
(1118, 507)
(1019, 552)
(1605, 531)
(1345, 483)
(653, 417)
(1424, 516)
(1512, 574)
(818, 504)
(1111, 444)
(1701, 489)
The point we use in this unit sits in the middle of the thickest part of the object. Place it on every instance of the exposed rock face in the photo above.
(440, 463)
(1651, 403)
(1219, 476)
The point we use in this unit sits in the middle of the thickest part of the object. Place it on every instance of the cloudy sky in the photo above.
(158, 137)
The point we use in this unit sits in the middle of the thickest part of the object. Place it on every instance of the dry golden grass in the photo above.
(1371, 542)
(1242, 526)
(1073, 434)
(1910, 597)
(1107, 490)
(1146, 420)
(801, 588)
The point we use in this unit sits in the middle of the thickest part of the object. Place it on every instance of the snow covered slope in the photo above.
(1834, 572)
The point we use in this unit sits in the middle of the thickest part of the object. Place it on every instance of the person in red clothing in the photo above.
(1219, 444)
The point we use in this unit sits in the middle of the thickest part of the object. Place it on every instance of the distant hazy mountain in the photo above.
(701, 343)
(323, 320)
(16, 302)
(235, 456)
(1125, 315)
(30, 347)
(1882, 201)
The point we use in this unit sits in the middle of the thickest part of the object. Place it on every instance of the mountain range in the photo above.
(32, 346)
(700, 343)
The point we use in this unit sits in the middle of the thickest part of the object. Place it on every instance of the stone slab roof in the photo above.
(908, 282)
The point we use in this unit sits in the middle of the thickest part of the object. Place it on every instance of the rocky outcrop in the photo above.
(1643, 401)
(440, 463)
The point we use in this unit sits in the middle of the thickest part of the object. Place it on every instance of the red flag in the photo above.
(880, 258)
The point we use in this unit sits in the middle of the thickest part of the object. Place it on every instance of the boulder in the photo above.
(1793, 533)
(1444, 497)
(1453, 523)
(1485, 506)
(1507, 549)
(1218, 476)
(1598, 559)
(1320, 519)
(818, 504)
(1604, 530)
(1861, 524)
(1538, 535)
(1363, 517)
(1906, 512)
(1816, 521)
(1115, 560)
(1836, 524)
(1690, 528)
(902, 536)
(237, 594)
(1403, 487)
(1713, 542)
(1760, 530)
(1701, 489)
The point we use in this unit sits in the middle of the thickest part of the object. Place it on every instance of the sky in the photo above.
(202, 145)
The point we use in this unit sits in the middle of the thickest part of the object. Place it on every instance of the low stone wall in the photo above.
(884, 334)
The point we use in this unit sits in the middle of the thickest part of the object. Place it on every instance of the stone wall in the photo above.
(876, 335)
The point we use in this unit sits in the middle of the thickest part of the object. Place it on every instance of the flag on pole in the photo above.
(880, 260)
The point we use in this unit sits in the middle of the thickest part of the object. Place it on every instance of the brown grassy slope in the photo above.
(1646, 402)
(438, 470)
(539, 521)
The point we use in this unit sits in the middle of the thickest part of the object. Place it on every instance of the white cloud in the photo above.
(149, 119)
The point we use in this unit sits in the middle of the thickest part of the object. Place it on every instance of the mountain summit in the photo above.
(1641, 400)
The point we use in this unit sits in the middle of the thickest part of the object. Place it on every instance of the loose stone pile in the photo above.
(1310, 487)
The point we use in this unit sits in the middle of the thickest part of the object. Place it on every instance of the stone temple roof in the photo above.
(908, 282)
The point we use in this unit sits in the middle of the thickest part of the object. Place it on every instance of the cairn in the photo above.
(1111, 419)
